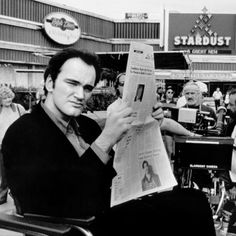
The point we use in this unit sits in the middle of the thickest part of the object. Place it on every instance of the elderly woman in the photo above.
(9, 112)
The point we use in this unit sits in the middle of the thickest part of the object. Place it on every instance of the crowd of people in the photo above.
(58, 162)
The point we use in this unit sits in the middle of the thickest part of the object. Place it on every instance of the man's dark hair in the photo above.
(57, 61)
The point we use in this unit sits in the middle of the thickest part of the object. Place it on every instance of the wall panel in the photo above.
(36, 11)
(136, 30)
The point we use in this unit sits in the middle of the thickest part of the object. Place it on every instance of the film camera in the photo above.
(210, 150)
(198, 121)
(204, 158)
(195, 120)
(207, 155)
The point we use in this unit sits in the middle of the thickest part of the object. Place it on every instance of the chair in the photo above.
(188, 206)
(39, 225)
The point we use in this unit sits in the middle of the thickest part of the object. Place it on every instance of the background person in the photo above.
(169, 96)
(160, 92)
(168, 104)
(217, 95)
(168, 101)
(226, 98)
(229, 177)
(40, 95)
(64, 169)
(9, 112)
(193, 97)
(231, 132)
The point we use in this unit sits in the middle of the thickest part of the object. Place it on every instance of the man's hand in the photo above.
(117, 124)
(157, 112)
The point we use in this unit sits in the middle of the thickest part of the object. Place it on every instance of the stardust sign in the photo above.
(201, 41)
(203, 33)
(62, 28)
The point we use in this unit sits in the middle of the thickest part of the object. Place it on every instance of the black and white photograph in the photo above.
(60, 69)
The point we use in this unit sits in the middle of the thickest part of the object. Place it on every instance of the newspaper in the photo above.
(141, 161)
(139, 88)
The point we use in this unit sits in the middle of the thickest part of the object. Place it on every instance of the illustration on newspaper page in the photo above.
(141, 161)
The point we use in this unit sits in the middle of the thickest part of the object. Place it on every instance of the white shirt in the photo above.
(217, 95)
(7, 117)
(227, 98)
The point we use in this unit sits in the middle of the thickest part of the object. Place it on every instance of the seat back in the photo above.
(44, 225)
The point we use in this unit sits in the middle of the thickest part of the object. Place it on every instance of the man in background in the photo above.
(193, 97)
(217, 95)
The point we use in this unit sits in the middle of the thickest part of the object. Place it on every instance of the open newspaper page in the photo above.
(141, 160)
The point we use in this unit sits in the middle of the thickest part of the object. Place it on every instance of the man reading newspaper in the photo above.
(145, 185)
(58, 164)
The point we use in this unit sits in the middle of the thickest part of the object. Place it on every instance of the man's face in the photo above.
(232, 104)
(121, 84)
(192, 95)
(72, 88)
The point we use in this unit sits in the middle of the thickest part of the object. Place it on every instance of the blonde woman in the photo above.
(9, 112)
